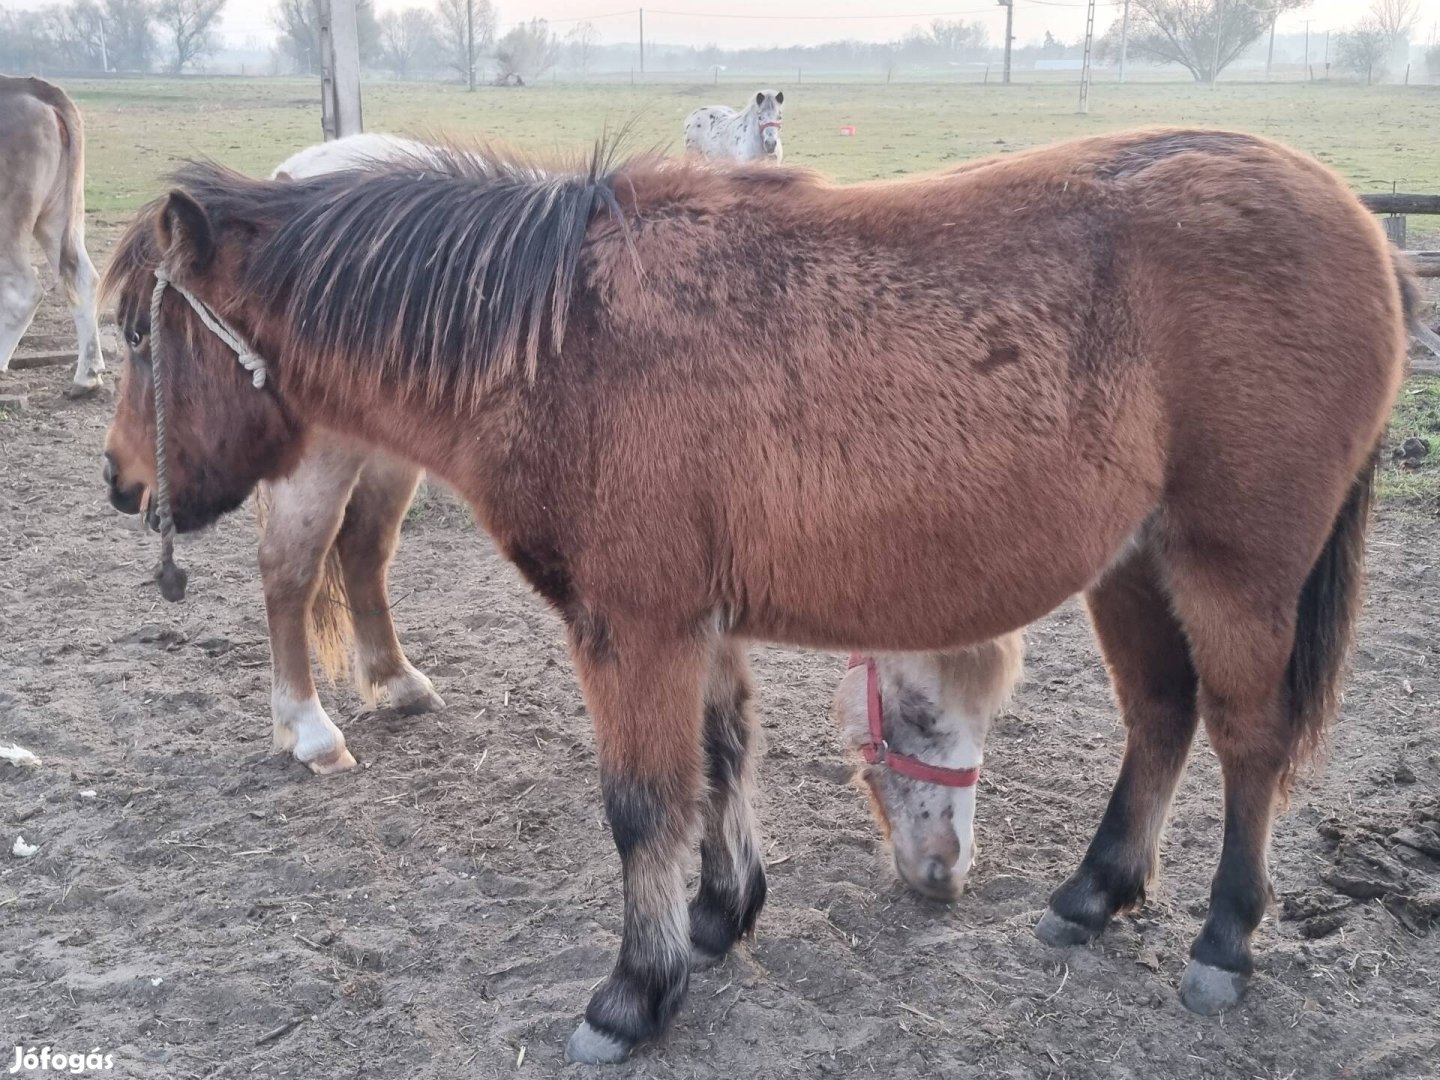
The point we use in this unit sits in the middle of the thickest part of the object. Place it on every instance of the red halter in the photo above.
(769, 124)
(877, 751)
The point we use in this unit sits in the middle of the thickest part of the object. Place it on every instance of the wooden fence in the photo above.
(1426, 263)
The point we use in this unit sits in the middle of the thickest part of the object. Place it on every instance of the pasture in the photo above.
(201, 907)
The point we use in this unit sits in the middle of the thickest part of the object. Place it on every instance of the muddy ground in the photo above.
(215, 911)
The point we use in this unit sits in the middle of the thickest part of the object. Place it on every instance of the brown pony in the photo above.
(697, 406)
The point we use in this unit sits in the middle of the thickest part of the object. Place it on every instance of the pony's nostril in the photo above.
(108, 470)
(937, 874)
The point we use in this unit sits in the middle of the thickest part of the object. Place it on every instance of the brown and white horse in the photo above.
(685, 440)
(749, 134)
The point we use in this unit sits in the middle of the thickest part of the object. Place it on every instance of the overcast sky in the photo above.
(816, 20)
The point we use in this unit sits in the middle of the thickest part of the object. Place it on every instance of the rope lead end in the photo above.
(171, 579)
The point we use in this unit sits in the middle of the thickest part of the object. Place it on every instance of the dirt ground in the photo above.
(200, 907)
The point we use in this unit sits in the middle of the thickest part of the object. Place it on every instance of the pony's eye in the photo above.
(134, 337)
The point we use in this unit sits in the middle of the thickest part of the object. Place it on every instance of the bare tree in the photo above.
(191, 25)
(1202, 36)
(958, 39)
(130, 34)
(1395, 18)
(581, 43)
(27, 40)
(1364, 50)
(299, 24)
(467, 31)
(526, 52)
(78, 31)
(405, 38)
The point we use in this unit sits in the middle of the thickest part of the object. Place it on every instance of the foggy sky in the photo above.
(821, 19)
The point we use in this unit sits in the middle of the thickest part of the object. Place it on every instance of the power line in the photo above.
(632, 12)
(591, 18)
(819, 18)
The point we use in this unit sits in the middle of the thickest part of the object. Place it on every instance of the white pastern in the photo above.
(304, 728)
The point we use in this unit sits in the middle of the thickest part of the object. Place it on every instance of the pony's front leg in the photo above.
(644, 689)
(732, 877)
(302, 517)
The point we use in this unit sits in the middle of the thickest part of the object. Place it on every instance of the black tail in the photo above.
(1410, 303)
(1325, 627)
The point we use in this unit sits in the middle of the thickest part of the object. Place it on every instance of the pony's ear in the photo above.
(282, 175)
(780, 97)
(760, 98)
(184, 229)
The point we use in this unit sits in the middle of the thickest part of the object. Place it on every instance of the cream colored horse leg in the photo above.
(20, 294)
(79, 279)
(367, 542)
(304, 514)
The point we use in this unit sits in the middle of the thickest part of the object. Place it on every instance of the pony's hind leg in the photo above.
(1241, 643)
(63, 241)
(20, 295)
(645, 690)
(302, 516)
(1155, 684)
(1269, 626)
(366, 544)
(732, 878)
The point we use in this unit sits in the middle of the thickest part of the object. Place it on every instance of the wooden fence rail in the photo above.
(1400, 203)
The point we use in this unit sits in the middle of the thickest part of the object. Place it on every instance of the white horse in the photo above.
(42, 194)
(718, 131)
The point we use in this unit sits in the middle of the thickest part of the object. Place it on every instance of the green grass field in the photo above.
(140, 129)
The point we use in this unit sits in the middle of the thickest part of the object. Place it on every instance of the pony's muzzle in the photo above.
(934, 878)
(125, 499)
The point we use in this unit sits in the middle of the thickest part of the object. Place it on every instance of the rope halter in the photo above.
(171, 577)
(249, 359)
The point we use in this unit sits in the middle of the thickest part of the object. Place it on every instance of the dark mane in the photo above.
(136, 254)
(435, 268)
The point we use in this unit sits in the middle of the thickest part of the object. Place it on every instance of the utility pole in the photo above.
(1307, 48)
(1009, 6)
(339, 70)
(470, 45)
(1085, 64)
(1270, 53)
(642, 41)
(104, 55)
(1124, 36)
(1215, 62)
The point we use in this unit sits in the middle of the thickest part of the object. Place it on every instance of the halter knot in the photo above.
(877, 751)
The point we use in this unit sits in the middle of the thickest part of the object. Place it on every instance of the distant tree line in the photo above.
(446, 39)
(460, 40)
(110, 35)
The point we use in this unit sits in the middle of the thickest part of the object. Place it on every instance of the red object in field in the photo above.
(848, 129)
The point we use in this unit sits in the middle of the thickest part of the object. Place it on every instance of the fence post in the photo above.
(339, 70)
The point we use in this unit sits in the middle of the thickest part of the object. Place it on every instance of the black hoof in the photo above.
(703, 959)
(1061, 932)
(1209, 990)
